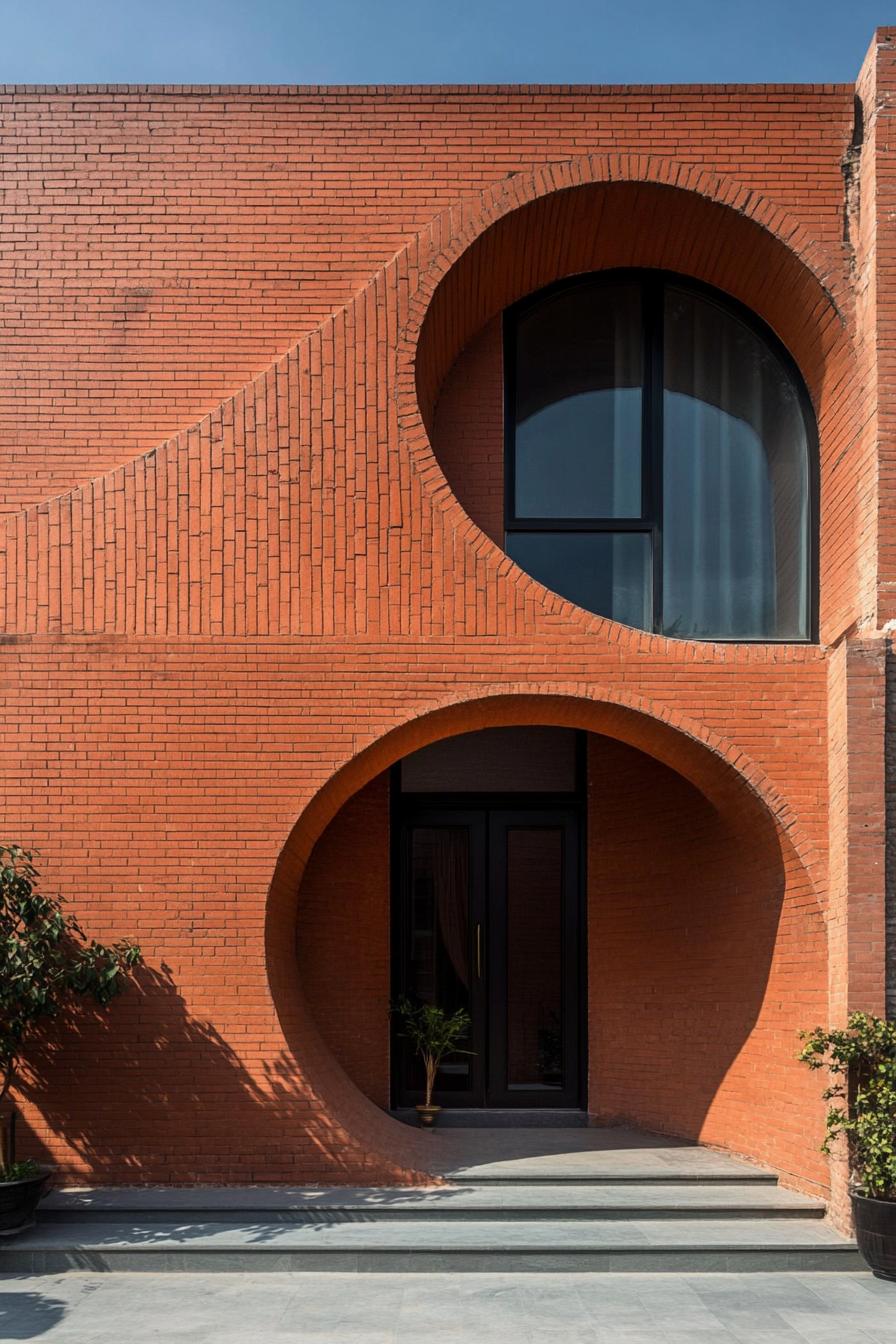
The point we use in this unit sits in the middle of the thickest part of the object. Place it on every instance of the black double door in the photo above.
(488, 919)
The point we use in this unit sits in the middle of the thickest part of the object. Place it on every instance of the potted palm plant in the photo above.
(862, 1060)
(45, 963)
(433, 1034)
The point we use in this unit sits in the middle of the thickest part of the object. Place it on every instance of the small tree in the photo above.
(434, 1034)
(863, 1060)
(45, 962)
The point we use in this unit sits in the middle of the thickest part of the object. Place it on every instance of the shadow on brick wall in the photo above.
(145, 1091)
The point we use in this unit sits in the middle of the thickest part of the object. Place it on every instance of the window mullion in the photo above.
(579, 525)
(653, 432)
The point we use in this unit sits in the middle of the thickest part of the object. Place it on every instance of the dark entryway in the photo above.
(488, 917)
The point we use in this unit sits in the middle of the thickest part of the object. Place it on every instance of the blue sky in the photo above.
(435, 41)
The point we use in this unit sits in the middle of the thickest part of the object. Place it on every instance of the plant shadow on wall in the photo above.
(46, 964)
(140, 1093)
(145, 1097)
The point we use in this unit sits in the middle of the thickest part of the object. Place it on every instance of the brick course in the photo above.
(222, 630)
(163, 246)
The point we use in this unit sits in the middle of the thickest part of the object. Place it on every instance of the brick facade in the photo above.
(250, 439)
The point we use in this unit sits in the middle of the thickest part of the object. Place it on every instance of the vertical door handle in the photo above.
(479, 951)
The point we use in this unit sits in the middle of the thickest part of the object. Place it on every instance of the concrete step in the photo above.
(490, 1202)
(596, 1169)
(507, 1175)
(581, 1156)
(539, 1199)
(368, 1244)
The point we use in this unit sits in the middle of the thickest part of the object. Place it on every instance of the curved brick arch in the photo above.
(676, 739)
(342, 416)
(457, 231)
(605, 212)
(735, 786)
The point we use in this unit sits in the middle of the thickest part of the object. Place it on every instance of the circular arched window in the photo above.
(660, 458)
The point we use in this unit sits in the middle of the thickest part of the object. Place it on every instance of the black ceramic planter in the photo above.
(18, 1201)
(875, 1221)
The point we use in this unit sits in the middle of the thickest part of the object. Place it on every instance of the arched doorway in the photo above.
(489, 914)
(703, 944)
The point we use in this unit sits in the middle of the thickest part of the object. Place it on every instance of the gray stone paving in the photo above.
(552, 1200)
(580, 1154)
(529, 1201)
(469, 1234)
(450, 1309)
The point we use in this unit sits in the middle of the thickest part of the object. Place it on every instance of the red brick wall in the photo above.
(343, 938)
(704, 964)
(873, 240)
(213, 646)
(214, 1070)
(468, 430)
(162, 246)
(704, 960)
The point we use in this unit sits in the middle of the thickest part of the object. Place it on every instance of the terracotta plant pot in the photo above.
(18, 1201)
(427, 1115)
(875, 1221)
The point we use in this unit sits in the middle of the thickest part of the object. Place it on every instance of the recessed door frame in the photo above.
(423, 816)
(475, 810)
(501, 821)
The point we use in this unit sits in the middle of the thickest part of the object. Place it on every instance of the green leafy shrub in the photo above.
(20, 1171)
(45, 962)
(433, 1034)
(862, 1059)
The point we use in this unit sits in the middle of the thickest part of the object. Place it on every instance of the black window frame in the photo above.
(650, 523)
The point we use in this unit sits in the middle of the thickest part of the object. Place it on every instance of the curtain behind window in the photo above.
(735, 488)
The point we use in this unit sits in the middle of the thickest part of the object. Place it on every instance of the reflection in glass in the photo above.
(735, 480)
(578, 405)
(534, 957)
(604, 572)
(439, 934)
(600, 390)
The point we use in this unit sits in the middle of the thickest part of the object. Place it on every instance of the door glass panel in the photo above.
(439, 936)
(577, 405)
(534, 957)
(609, 573)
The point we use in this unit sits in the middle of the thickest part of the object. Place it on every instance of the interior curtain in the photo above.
(451, 878)
(624, 400)
(718, 517)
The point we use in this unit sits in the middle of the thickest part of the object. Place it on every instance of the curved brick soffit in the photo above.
(734, 784)
(311, 502)
(788, 271)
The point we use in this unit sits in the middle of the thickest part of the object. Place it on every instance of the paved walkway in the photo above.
(575, 1154)
(450, 1308)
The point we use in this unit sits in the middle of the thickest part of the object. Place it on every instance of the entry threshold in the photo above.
(534, 1117)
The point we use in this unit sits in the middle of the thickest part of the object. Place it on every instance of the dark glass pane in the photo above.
(534, 957)
(605, 572)
(439, 935)
(735, 481)
(578, 405)
(495, 760)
